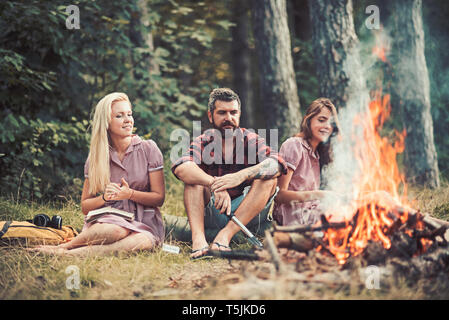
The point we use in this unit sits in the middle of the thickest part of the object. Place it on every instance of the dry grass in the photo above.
(434, 202)
(145, 275)
(162, 275)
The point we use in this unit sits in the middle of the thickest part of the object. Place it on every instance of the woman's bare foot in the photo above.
(57, 250)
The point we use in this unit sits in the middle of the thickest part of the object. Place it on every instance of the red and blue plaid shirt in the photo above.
(248, 149)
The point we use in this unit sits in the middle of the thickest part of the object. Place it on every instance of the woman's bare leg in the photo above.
(132, 242)
(98, 233)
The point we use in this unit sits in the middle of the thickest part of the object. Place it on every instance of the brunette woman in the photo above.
(305, 154)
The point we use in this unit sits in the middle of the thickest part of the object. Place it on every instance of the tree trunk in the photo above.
(411, 91)
(279, 93)
(241, 63)
(337, 58)
(148, 37)
(341, 79)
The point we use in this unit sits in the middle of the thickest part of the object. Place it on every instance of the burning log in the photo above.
(380, 228)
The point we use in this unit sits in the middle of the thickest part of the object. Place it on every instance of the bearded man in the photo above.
(227, 170)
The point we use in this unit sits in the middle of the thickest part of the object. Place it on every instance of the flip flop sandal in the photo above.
(203, 256)
(219, 245)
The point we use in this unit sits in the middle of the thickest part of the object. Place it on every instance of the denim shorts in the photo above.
(213, 219)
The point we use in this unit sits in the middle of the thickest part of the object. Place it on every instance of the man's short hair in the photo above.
(222, 94)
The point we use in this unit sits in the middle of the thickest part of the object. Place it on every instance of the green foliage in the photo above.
(40, 156)
(52, 77)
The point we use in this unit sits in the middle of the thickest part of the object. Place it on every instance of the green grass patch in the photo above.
(145, 275)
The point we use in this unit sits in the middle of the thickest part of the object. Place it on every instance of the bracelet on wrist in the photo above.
(102, 196)
(132, 193)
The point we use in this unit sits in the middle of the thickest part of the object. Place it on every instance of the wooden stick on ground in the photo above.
(306, 228)
(280, 267)
(293, 240)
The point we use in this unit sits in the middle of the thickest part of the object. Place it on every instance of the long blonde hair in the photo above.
(99, 169)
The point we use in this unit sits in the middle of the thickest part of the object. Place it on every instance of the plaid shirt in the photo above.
(248, 149)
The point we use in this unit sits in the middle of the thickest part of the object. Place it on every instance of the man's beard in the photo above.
(223, 130)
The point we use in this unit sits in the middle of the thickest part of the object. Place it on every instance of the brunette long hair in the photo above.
(324, 149)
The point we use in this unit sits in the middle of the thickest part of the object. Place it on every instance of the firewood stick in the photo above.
(305, 228)
(303, 278)
(431, 221)
(282, 239)
(293, 240)
(437, 222)
(235, 254)
(280, 268)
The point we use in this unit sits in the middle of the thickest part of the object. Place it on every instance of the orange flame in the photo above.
(379, 206)
(376, 190)
(381, 49)
(380, 52)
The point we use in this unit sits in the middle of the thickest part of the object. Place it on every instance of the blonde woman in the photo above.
(122, 171)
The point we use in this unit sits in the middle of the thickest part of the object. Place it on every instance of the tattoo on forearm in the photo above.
(267, 169)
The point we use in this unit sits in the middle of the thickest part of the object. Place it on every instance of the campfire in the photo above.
(378, 210)
(379, 213)
(377, 228)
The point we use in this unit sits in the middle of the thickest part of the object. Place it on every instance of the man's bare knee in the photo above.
(269, 184)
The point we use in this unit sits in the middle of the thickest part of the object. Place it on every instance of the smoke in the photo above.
(342, 174)
(370, 65)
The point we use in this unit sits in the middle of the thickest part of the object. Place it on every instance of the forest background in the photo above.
(167, 56)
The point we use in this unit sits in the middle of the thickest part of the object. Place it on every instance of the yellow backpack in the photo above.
(28, 234)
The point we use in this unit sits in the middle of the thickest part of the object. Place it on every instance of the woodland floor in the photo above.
(163, 275)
